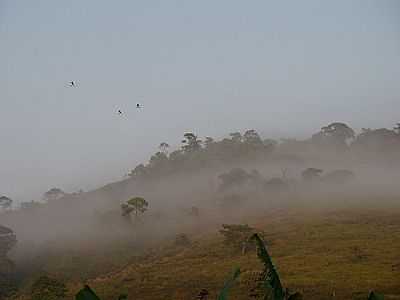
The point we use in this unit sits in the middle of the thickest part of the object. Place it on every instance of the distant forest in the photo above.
(336, 139)
(333, 139)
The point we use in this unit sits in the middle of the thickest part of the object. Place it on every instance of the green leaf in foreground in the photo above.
(295, 296)
(270, 276)
(223, 295)
(374, 296)
(86, 294)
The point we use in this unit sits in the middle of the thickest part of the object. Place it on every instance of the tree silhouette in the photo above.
(236, 137)
(164, 147)
(5, 202)
(311, 174)
(334, 135)
(53, 194)
(138, 172)
(137, 205)
(191, 143)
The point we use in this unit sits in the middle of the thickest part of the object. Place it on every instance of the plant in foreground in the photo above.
(223, 295)
(269, 280)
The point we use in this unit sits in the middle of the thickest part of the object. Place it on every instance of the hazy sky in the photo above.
(284, 68)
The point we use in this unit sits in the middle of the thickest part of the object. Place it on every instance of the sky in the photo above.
(284, 68)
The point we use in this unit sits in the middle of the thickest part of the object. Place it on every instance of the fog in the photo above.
(284, 69)
(253, 185)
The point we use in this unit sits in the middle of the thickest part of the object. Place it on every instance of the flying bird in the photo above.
(72, 84)
(119, 112)
(138, 106)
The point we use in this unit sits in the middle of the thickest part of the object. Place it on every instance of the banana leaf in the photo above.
(223, 295)
(374, 296)
(270, 275)
(86, 294)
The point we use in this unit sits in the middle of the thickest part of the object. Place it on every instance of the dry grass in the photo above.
(317, 251)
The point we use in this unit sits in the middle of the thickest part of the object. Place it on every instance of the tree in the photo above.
(5, 202)
(137, 205)
(311, 174)
(335, 134)
(53, 194)
(7, 242)
(236, 137)
(376, 140)
(138, 172)
(191, 143)
(208, 142)
(338, 130)
(164, 147)
(158, 160)
(46, 288)
(397, 128)
(234, 177)
(251, 137)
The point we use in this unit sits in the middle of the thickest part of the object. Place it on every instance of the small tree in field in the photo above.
(136, 205)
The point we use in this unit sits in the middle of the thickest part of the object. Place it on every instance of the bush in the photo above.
(46, 288)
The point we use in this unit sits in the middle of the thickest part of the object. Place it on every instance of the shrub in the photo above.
(46, 288)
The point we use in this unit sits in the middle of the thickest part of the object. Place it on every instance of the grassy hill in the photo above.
(318, 251)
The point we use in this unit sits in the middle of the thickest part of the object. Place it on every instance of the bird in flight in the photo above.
(72, 84)
(119, 112)
(138, 106)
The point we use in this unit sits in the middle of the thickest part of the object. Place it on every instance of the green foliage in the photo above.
(7, 285)
(223, 295)
(270, 277)
(374, 296)
(46, 288)
(296, 296)
(86, 294)
(137, 205)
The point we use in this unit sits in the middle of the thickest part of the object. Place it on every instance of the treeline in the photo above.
(335, 138)
(196, 154)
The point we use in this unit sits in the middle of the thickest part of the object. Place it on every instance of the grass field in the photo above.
(324, 253)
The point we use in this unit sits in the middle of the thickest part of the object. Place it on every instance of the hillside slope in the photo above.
(320, 252)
